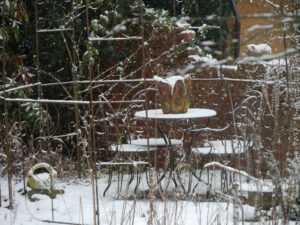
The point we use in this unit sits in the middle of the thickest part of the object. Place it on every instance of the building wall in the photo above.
(257, 12)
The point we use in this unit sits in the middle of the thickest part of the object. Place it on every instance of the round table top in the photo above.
(193, 113)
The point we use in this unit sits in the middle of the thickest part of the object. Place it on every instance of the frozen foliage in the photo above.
(182, 23)
(195, 58)
(207, 59)
(187, 32)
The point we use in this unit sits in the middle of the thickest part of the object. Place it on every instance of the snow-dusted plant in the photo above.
(160, 18)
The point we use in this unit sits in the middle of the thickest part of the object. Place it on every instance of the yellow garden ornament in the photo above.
(174, 93)
(41, 177)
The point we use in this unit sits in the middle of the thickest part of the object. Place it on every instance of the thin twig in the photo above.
(115, 38)
(53, 30)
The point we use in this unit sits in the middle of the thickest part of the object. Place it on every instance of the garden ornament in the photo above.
(41, 177)
(174, 93)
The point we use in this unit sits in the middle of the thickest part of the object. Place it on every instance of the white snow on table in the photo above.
(220, 147)
(155, 142)
(193, 113)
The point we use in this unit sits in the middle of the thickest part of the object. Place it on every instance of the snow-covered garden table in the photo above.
(158, 115)
(191, 114)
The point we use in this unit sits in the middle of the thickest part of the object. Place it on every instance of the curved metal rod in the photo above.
(166, 139)
(180, 182)
(138, 180)
(197, 131)
(108, 184)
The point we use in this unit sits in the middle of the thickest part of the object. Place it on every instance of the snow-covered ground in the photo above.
(76, 205)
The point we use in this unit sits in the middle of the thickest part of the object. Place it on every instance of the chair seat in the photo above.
(220, 147)
(126, 163)
(158, 142)
(131, 148)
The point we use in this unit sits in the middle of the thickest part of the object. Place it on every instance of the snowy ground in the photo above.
(76, 206)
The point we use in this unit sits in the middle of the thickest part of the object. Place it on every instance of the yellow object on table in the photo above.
(174, 93)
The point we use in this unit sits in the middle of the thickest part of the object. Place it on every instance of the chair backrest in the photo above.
(115, 122)
(221, 147)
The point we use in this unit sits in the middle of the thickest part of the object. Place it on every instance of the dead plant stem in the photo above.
(6, 141)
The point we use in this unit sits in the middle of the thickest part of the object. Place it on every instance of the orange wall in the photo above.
(269, 36)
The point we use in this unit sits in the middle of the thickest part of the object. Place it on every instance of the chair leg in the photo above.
(180, 182)
(223, 180)
(108, 183)
(190, 182)
(147, 178)
(194, 188)
(131, 178)
(159, 180)
(119, 187)
(122, 178)
(173, 178)
(138, 180)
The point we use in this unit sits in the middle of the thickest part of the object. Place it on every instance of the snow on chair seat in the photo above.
(158, 142)
(220, 147)
(131, 148)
